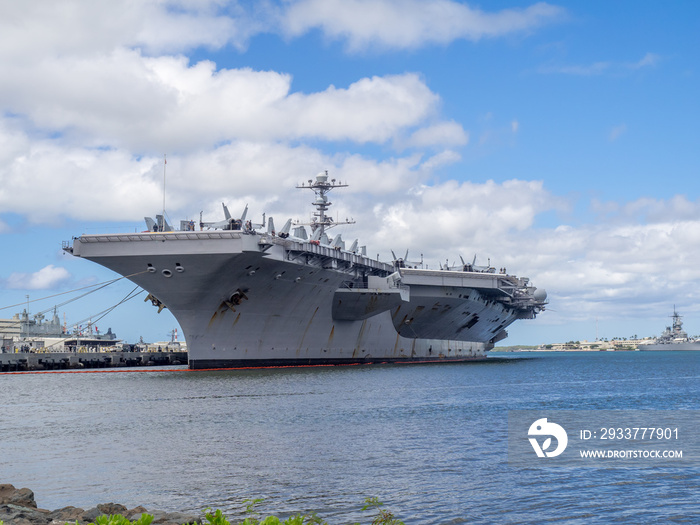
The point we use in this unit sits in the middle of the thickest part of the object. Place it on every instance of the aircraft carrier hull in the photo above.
(251, 300)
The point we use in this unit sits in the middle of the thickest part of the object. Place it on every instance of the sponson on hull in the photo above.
(248, 295)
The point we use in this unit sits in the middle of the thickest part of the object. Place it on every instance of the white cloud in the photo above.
(48, 277)
(400, 24)
(442, 133)
(601, 67)
(444, 158)
(650, 59)
(622, 269)
(44, 181)
(31, 30)
(452, 218)
(165, 104)
(371, 109)
(93, 75)
(84, 27)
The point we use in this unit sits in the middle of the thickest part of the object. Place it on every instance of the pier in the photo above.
(29, 361)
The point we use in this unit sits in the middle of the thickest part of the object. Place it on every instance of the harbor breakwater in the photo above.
(28, 361)
(18, 507)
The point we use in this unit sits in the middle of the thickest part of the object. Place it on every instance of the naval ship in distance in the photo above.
(673, 338)
(246, 295)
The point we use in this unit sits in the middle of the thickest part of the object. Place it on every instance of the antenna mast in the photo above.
(320, 187)
(165, 163)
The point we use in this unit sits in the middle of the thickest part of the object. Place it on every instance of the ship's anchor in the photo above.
(238, 296)
(235, 299)
(155, 301)
(228, 304)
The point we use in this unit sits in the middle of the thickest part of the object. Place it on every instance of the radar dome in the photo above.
(322, 177)
(540, 295)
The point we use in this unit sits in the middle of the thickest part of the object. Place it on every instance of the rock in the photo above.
(111, 508)
(12, 514)
(136, 511)
(17, 507)
(90, 515)
(66, 515)
(22, 497)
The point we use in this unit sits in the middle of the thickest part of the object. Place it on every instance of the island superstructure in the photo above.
(248, 295)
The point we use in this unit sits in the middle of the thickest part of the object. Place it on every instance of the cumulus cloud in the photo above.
(164, 103)
(43, 180)
(629, 266)
(461, 217)
(48, 277)
(83, 27)
(30, 31)
(401, 24)
(86, 119)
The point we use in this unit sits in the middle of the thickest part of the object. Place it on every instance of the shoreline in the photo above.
(17, 506)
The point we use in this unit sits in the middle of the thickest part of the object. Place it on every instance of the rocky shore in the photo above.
(17, 507)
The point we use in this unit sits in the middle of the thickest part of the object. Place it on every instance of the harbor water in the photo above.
(430, 441)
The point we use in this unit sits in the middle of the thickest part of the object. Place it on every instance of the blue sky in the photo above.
(558, 139)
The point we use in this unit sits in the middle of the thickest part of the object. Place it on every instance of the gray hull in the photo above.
(671, 346)
(248, 299)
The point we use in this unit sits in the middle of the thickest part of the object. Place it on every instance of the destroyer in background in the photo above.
(673, 338)
(247, 295)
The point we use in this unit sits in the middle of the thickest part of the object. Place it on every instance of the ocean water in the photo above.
(430, 441)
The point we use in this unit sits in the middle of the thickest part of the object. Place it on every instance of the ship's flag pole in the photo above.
(165, 163)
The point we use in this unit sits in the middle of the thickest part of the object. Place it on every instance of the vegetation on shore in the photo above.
(513, 348)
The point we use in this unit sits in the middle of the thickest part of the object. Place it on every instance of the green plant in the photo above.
(118, 519)
(384, 517)
(217, 518)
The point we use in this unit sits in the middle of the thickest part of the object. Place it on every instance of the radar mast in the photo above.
(321, 187)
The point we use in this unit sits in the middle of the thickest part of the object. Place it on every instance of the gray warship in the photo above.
(246, 295)
(673, 337)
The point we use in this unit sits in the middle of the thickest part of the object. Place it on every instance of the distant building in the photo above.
(582, 346)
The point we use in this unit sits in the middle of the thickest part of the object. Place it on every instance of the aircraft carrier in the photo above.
(246, 295)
